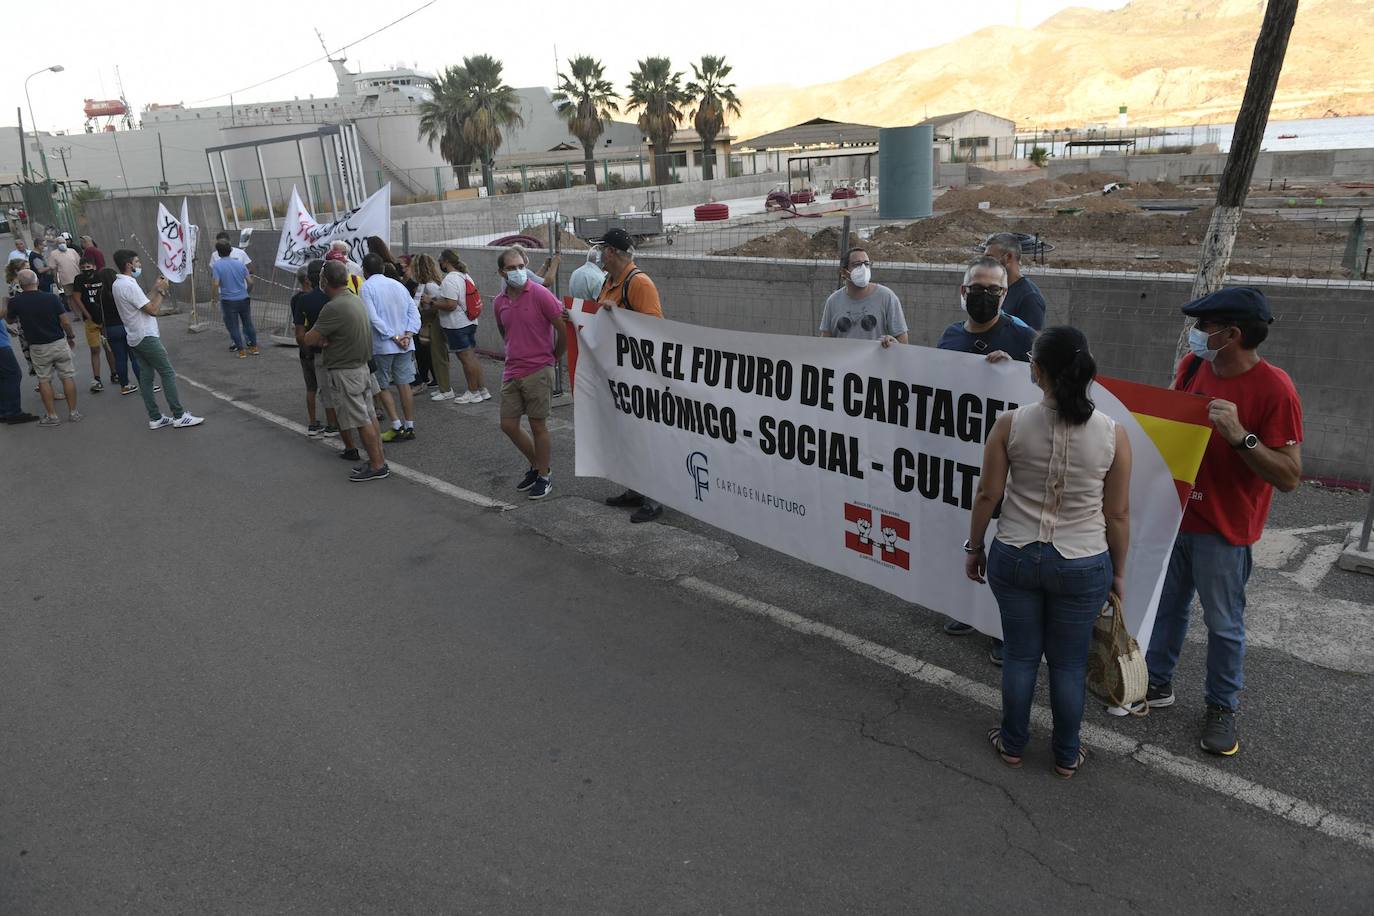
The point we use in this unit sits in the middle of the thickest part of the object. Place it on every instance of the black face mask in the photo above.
(981, 305)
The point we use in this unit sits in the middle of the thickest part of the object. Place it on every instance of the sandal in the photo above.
(1067, 772)
(995, 739)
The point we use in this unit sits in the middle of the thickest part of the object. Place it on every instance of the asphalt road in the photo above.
(234, 682)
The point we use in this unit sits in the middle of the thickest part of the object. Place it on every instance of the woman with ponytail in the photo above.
(1064, 468)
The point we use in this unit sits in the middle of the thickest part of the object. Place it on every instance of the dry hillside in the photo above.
(1170, 61)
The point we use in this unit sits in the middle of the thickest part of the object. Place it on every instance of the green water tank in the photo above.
(905, 171)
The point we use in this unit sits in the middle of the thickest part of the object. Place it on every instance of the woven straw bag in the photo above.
(1116, 666)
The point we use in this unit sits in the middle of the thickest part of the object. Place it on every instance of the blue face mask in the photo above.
(138, 271)
(1197, 344)
(516, 277)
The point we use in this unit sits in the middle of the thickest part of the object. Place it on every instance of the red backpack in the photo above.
(474, 301)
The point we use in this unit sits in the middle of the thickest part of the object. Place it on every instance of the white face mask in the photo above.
(860, 275)
(516, 278)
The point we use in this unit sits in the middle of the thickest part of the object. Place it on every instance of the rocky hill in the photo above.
(1170, 61)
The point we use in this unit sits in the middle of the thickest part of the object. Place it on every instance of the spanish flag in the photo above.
(1174, 420)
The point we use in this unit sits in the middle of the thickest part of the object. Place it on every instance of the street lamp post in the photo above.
(55, 68)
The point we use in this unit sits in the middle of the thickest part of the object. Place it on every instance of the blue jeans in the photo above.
(239, 311)
(10, 377)
(1048, 606)
(118, 338)
(1217, 571)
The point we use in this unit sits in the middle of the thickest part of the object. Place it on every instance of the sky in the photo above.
(166, 56)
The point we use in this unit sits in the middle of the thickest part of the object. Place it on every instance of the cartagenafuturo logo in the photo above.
(696, 469)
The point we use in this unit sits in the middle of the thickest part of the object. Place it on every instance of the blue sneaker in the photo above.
(528, 480)
(540, 488)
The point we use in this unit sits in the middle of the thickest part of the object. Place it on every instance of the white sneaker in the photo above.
(162, 421)
(484, 394)
(441, 396)
(186, 420)
(467, 397)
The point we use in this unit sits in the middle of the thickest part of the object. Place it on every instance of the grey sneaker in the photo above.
(1156, 696)
(75, 416)
(1219, 731)
(956, 627)
(314, 429)
(49, 422)
(367, 474)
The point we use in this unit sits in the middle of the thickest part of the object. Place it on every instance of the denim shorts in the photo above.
(395, 368)
(460, 339)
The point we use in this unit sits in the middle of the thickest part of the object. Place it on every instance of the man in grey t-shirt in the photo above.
(861, 309)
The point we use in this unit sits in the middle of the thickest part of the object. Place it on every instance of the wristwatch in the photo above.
(1250, 441)
(970, 548)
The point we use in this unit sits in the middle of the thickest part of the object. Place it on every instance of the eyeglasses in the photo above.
(994, 290)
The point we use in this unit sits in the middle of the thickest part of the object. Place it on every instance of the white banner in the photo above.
(303, 239)
(176, 242)
(859, 459)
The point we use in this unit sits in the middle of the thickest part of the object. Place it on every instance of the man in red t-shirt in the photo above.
(1255, 448)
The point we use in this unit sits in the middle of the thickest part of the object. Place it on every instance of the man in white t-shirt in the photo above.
(139, 314)
(459, 330)
(395, 323)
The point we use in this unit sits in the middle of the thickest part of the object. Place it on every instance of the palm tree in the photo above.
(441, 120)
(714, 99)
(586, 100)
(656, 91)
(492, 106)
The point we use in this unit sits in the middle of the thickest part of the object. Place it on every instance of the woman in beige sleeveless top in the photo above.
(1062, 470)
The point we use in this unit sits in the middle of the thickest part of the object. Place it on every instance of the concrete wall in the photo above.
(1322, 336)
(1311, 165)
(585, 201)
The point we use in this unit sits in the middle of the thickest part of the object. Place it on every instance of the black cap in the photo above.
(618, 239)
(1239, 303)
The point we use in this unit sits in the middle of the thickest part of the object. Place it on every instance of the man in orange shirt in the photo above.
(630, 288)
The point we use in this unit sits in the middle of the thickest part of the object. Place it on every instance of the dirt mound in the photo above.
(788, 242)
(1154, 190)
(963, 227)
(566, 240)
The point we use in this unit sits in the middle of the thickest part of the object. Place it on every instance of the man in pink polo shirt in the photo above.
(530, 319)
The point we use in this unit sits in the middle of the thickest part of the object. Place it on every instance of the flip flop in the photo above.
(995, 739)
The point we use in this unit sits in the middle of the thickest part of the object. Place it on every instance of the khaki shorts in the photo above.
(52, 357)
(531, 396)
(351, 392)
(93, 334)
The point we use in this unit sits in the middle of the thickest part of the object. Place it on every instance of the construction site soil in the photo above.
(1086, 229)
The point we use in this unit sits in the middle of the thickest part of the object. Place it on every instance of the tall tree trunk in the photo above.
(1265, 67)
(707, 169)
(590, 164)
(461, 173)
(488, 179)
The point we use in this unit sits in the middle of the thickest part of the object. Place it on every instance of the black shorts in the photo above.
(312, 382)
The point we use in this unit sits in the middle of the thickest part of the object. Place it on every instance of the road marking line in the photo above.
(1315, 567)
(1291, 809)
(400, 470)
